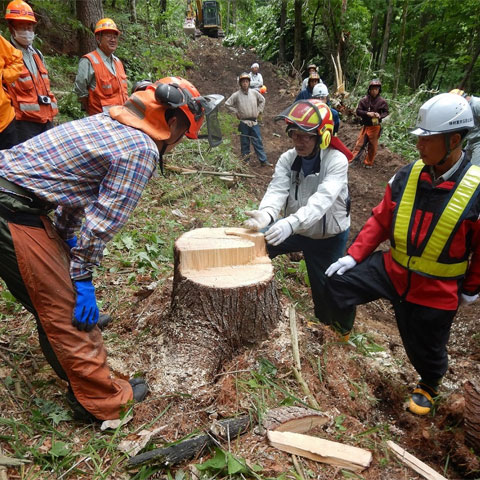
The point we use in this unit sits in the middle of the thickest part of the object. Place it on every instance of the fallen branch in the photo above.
(224, 430)
(414, 463)
(190, 171)
(296, 359)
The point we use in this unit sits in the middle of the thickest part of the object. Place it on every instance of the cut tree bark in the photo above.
(325, 451)
(224, 298)
(293, 419)
(472, 415)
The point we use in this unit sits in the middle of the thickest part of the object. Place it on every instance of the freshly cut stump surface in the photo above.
(224, 299)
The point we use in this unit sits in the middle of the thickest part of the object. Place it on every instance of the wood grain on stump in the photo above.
(224, 298)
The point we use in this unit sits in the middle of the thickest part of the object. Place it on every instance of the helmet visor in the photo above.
(210, 105)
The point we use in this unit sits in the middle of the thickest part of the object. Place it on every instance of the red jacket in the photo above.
(429, 203)
(24, 93)
(109, 89)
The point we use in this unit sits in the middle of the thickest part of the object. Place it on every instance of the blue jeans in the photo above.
(319, 254)
(251, 133)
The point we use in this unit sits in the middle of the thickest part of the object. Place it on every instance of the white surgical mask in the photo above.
(24, 37)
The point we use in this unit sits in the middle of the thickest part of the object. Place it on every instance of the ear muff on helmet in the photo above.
(325, 138)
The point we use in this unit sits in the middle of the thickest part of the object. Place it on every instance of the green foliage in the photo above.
(225, 463)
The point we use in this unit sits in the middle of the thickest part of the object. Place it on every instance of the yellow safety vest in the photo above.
(427, 263)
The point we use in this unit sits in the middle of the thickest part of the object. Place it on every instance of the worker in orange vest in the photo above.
(10, 69)
(101, 81)
(34, 103)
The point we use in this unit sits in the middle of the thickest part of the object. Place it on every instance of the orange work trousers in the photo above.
(35, 267)
(373, 134)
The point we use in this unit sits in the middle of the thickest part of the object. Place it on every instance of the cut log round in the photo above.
(224, 298)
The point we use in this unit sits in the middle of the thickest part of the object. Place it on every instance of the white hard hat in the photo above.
(255, 65)
(443, 113)
(319, 90)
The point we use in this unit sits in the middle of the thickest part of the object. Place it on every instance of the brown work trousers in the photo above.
(34, 263)
(373, 134)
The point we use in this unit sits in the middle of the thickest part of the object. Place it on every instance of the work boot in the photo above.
(103, 320)
(266, 163)
(79, 413)
(422, 399)
(140, 390)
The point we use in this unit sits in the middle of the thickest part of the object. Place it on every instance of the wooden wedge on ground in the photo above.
(414, 463)
(325, 451)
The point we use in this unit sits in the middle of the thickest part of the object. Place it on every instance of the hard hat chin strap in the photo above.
(160, 159)
(448, 152)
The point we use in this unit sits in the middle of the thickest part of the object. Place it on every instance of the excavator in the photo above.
(205, 20)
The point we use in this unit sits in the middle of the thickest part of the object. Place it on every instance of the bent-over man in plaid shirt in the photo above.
(92, 173)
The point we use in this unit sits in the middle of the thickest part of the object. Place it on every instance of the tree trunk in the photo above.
(132, 4)
(223, 299)
(283, 19)
(297, 56)
(89, 12)
(469, 69)
(472, 415)
(401, 41)
(386, 35)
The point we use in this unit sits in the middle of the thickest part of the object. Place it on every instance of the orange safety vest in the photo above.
(25, 91)
(109, 89)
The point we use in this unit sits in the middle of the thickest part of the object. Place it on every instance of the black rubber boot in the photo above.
(140, 390)
(79, 413)
(103, 320)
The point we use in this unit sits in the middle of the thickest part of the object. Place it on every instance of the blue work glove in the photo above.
(72, 242)
(341, 266)
(85, 313)
(278, 232)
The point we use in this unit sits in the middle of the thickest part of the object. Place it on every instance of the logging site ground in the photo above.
(361, 387)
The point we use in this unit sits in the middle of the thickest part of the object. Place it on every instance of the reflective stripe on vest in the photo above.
(427, 262)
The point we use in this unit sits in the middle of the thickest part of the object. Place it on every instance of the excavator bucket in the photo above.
(189, 27)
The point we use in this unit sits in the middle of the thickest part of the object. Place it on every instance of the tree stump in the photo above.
(472, 415)
(224, 298)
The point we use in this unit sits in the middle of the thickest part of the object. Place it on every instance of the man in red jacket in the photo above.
(429, 213)
(372, 109)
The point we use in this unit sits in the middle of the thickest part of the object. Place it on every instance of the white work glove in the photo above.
(341, 266)
(467, 299)
(258, 220)
(278, 232)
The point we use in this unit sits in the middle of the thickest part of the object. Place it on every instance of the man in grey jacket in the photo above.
(310, 188)
(247, 104)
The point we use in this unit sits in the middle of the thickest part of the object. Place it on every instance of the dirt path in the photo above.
(436, 440)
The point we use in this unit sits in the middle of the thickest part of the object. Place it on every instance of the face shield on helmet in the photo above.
(176, 92)
(311, 116)
(444, 113)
